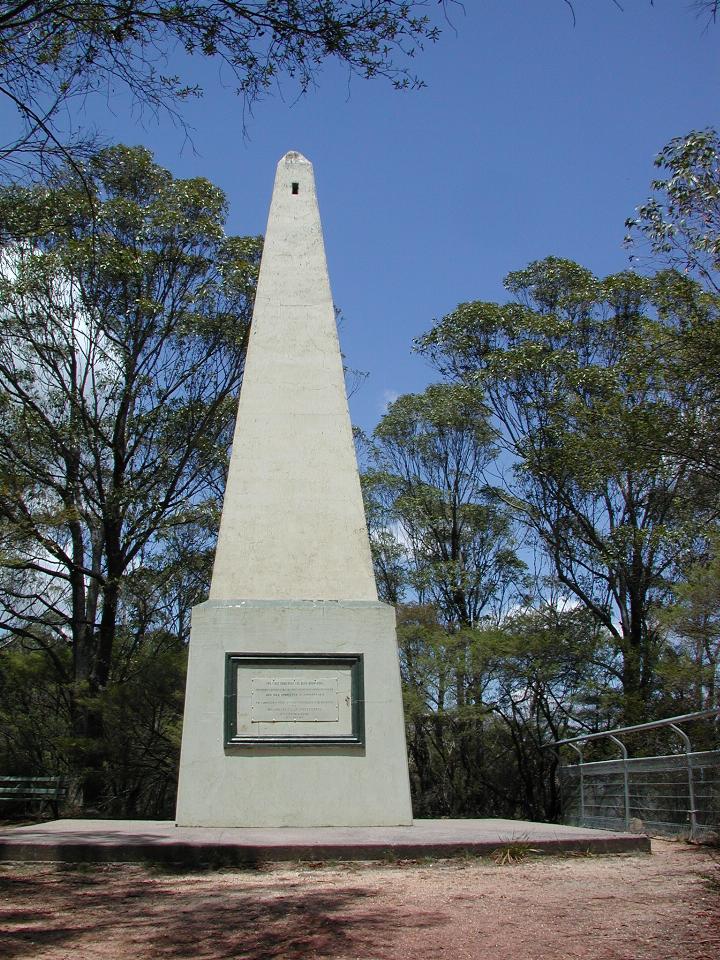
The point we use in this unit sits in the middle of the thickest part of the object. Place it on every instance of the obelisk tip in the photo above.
(292, 156)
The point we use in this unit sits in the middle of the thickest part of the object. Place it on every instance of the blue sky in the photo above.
(533, 136)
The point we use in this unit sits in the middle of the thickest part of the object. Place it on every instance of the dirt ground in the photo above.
(660, 907)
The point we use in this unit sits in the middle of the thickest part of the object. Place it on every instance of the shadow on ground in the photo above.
(207, 917)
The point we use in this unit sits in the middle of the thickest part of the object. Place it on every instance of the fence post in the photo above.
(626, 782)
(691, 785)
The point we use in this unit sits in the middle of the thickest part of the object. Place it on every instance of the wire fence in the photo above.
(670, 794)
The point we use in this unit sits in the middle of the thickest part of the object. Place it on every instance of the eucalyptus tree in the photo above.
(430, 456)
(125, 311)
(678, 227)
(680, 221)
(691, 668)
(574, 372)
(538, 675)
(552, 675)
(441, 535)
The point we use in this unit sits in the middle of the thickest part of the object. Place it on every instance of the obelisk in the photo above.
(293, 712)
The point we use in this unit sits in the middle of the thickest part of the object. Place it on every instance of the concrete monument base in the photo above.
(113, 841)
(282, 733)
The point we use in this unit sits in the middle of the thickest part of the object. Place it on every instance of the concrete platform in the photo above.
(161, 840)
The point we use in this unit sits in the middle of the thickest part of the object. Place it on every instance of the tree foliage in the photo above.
(482, 704)
(679, 227)
(602, 397)
(125, 310)
(441, 522)
(691, 666)
(573, 371)
(681, 220)
(54, 54)
(578, 421)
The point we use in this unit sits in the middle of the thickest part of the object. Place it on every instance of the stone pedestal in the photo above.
(258, 783)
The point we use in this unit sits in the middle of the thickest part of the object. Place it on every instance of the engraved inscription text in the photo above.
(292, 699)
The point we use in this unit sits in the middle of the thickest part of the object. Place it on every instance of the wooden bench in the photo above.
(52, 790)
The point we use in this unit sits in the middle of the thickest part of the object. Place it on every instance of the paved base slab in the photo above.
(161, 840)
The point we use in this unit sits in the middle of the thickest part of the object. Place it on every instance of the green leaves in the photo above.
(125, 313)
(680, 223)
(51, 54)
(434, 521)
(441, 409)
(593, 390)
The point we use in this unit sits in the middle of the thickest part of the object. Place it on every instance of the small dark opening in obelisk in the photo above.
(296, 188)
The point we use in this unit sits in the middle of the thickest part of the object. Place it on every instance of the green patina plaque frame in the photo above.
(233, 661)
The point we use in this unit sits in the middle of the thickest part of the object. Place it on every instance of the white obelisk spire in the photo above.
(293, 525)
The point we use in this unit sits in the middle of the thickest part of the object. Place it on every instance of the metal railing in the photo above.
(669, 794)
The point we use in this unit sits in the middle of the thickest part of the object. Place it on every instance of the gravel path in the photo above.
(640, 907)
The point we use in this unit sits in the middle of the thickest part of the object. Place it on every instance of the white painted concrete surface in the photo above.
(293, 786)
(293, 524)
(293, 572)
